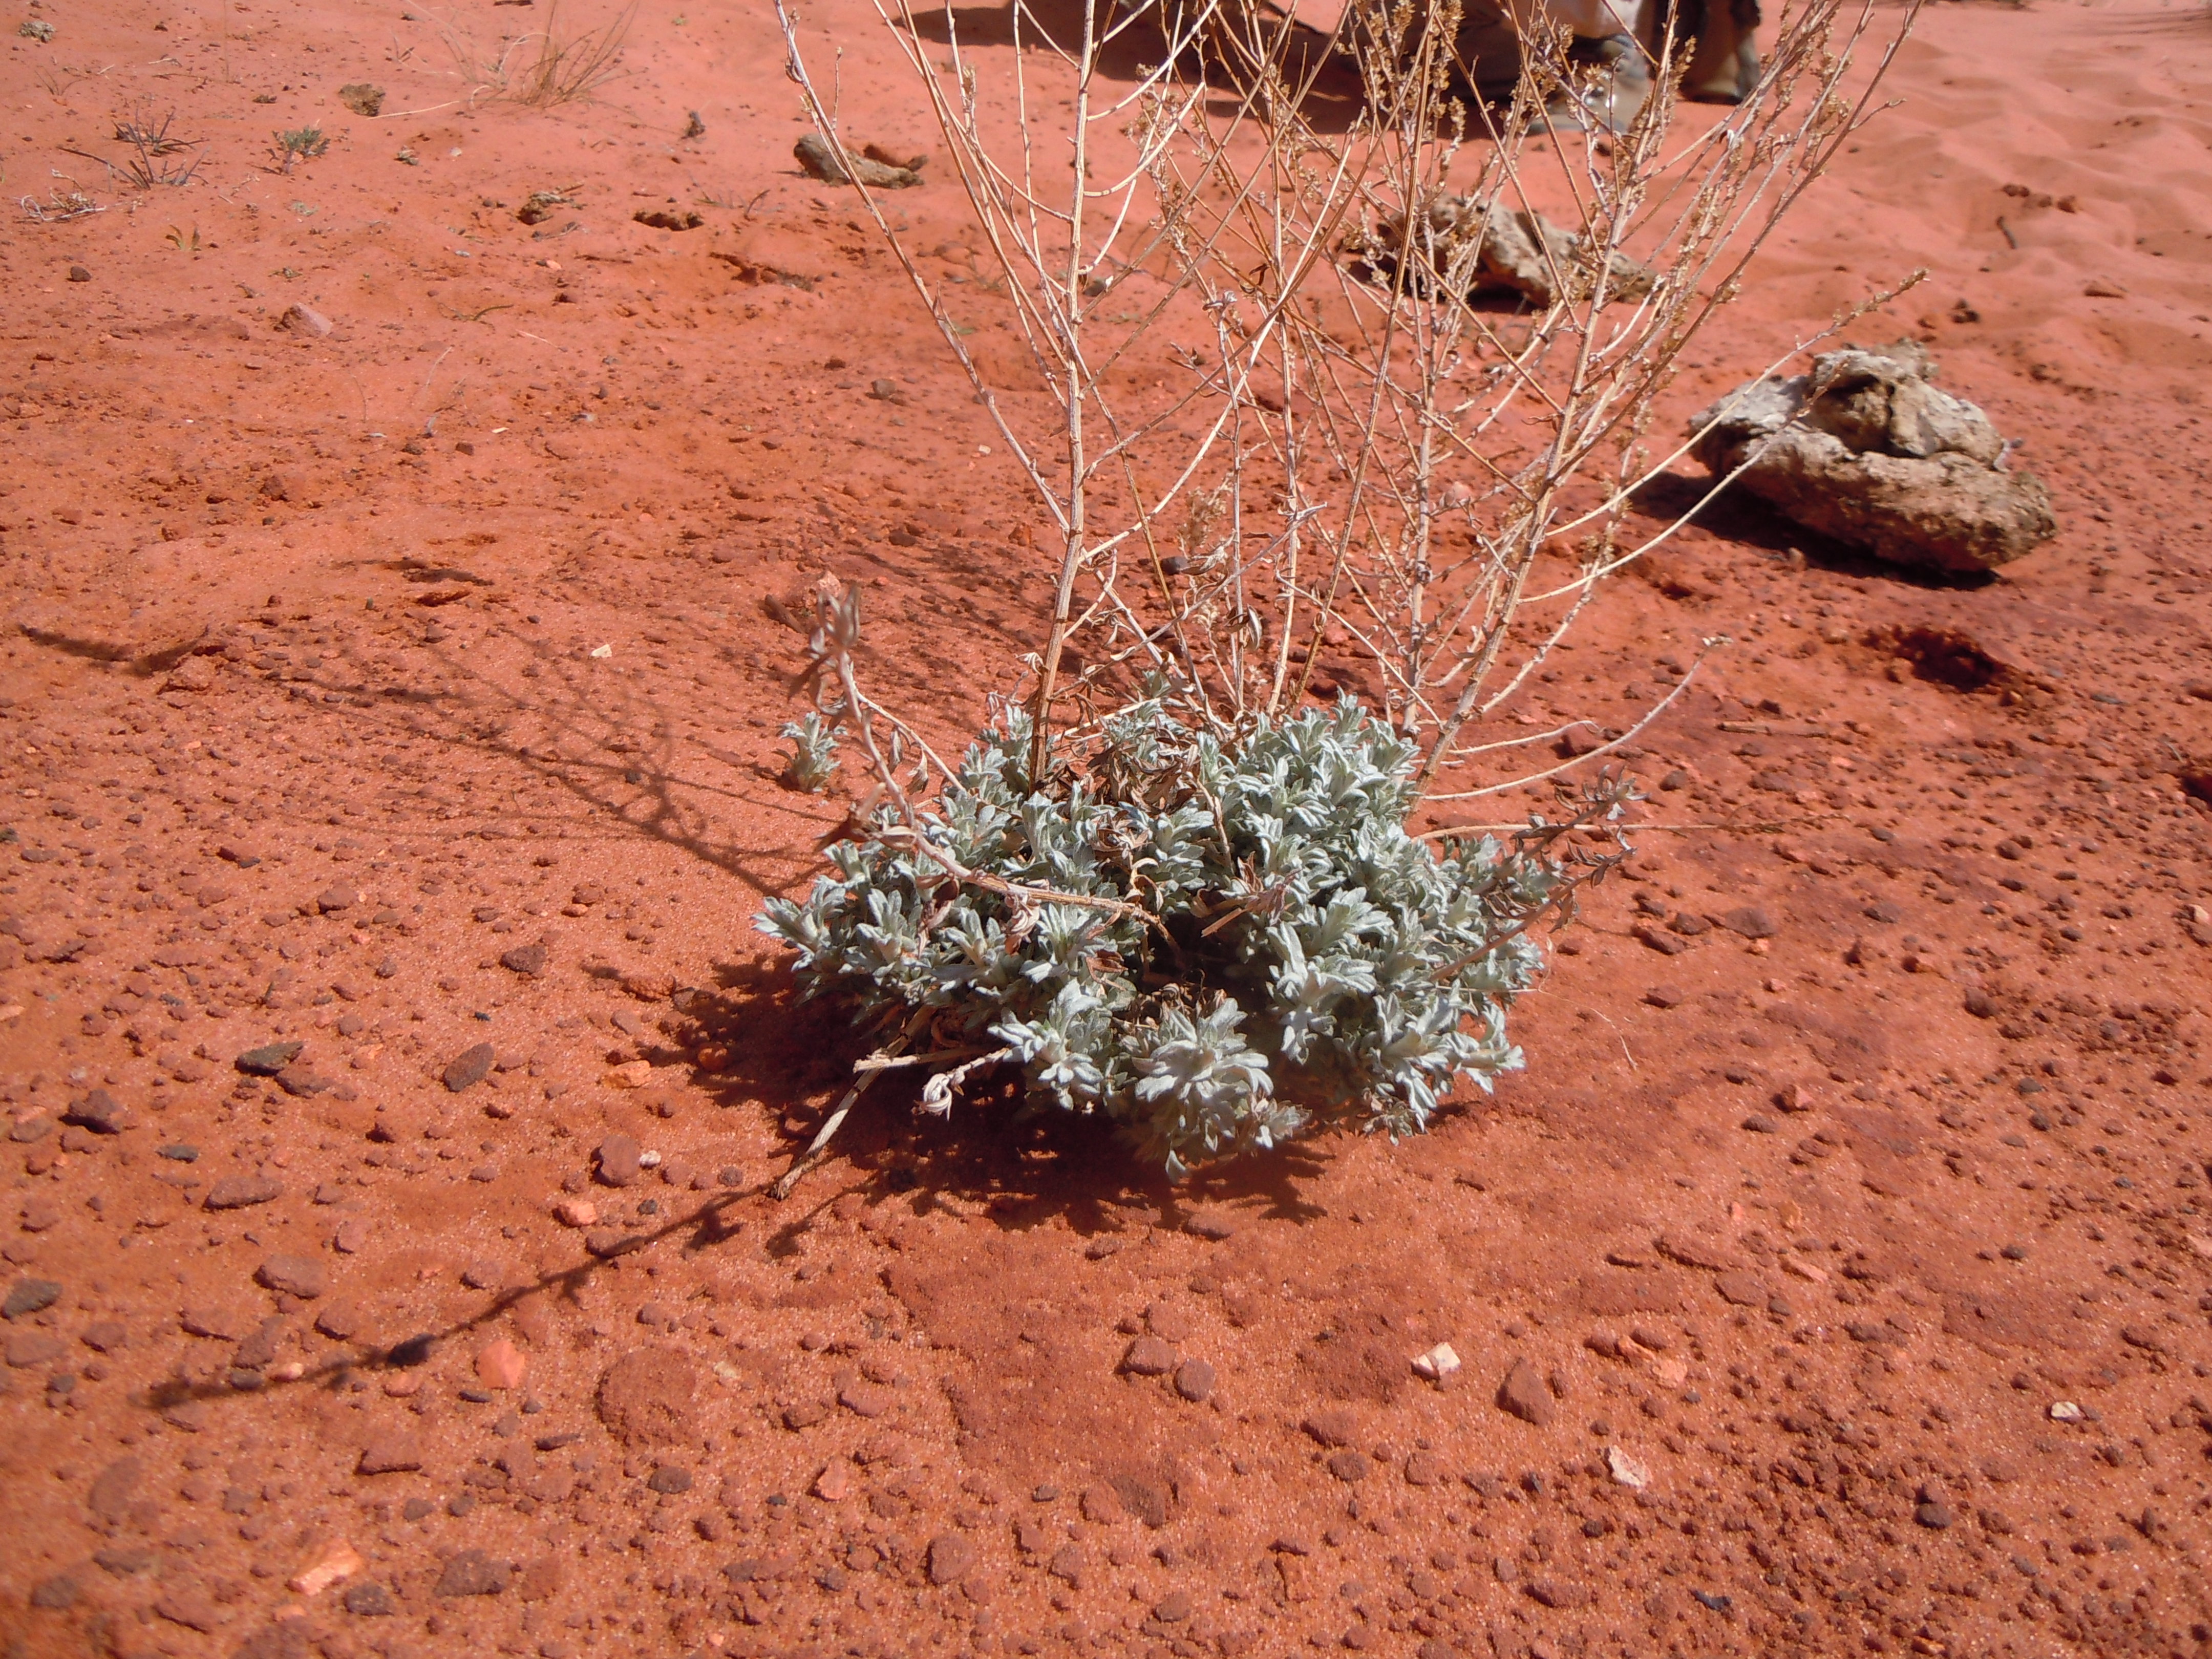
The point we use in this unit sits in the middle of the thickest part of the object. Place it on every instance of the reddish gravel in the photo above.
(392, 1074)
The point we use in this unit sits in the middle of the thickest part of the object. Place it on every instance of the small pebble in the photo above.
(294, 1275)
(528, 960)
(951, 1558)
(30, 1295)
(1524, 1395)
(472, 1572)
(269, 1060)
(242, 1192)
(1148, 1356)
(470, 1067)
(501, 1365)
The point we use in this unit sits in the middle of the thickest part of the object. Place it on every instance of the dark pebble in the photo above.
(617, 1160)
(470, 1067)
(294, 1275)
(951, 1556)
(1349, 1465)
(527, 960)
(30, 1295)
(369, 1600)
(1523, 1394)
(55, 1594)
(1148, 1356)
(1193, 1381)
(1558, 1594)
(181, 1154)
(242, 1192)
(1750, 922)
(669, 1480)
(99, 1112)
(269, 1060)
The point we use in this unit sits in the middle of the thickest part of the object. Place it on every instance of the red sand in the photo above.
(305, 732)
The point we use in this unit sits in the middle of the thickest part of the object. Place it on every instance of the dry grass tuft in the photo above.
(569, 68)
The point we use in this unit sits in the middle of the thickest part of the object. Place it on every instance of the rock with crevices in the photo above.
(1488, 248)
(1866, 450)
(820, 161)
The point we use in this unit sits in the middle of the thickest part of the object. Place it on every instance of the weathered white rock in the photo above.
(1493, 249)
(1436, 1364)
(1866, 450)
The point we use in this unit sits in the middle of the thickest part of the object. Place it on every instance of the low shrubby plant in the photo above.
(1287, 448)
(812, 761)
(299, 144)
(1214, 942)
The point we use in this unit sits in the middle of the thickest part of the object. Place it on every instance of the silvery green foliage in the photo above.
(813, 759)
(1284, 951)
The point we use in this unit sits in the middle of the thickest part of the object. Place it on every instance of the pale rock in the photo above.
(1480, 248)
(501, 1365)
(820, 161)
(1436, 1364)
(1866, 450)
(1626, 1470)
(1804, 1270)
(339, 1560)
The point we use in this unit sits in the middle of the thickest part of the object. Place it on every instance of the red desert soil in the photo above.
(406, 697)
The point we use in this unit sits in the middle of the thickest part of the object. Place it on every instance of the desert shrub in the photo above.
(1213, 944)
(812, 761)
(300, 144)
(569, 67)
(1287, 442)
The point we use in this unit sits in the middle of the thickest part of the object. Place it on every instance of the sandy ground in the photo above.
(395, 707)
